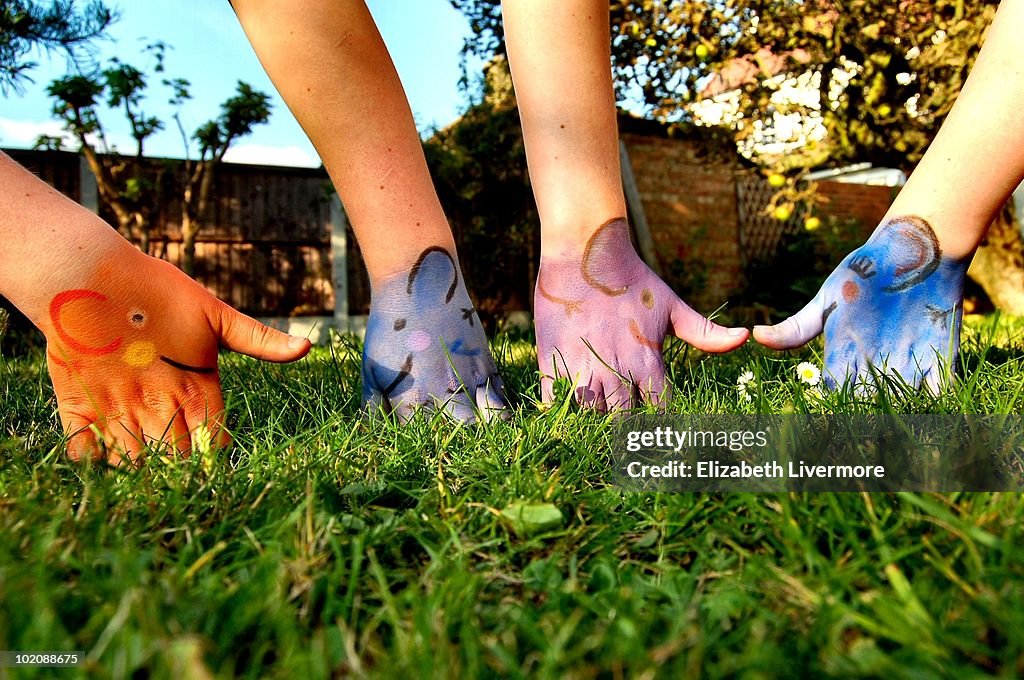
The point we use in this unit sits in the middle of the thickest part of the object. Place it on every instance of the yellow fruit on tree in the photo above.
(776, 180)
(812, 223)
(702, 52)
(783, 213)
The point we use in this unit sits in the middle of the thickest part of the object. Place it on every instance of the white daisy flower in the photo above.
(808, 373)
(745, 383)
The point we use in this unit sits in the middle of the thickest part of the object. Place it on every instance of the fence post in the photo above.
(636, 211)
(88, 191)
(339, 263)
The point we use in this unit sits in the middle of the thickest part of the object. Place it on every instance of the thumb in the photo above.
(245, 335)
(795, 331)
(703, 333)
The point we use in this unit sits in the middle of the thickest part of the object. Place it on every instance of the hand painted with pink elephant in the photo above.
(609, 299)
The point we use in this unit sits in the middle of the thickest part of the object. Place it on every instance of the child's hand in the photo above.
(609, 299)
(425, 347)
(894, 305)
(133, 357)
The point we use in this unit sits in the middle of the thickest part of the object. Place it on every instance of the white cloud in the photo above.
(263, 154)
(23, 133)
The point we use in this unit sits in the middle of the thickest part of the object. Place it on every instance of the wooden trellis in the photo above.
(760, 232)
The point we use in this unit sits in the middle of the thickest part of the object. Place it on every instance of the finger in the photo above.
(591, 395)
(403, 409)
(82, 442)
(618, 393)
(490, 402)
(703, 333)
(552, 366)
(933, 379)
(205, 408)
(125, 441)
(374, 401)
(795, 331)
(179, 436)
(169, 430)
(460, 407)
(547, 389)
(656, 390)
(840, 368)
(245, 335)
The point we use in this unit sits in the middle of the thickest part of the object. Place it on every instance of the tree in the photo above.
(123, 183)
(60, 25)
(239, 115)
(886, 73)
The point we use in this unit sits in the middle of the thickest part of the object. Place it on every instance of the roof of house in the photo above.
(743, 70)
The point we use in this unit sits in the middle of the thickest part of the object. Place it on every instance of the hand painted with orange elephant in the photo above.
(134, 355)
(131, 340)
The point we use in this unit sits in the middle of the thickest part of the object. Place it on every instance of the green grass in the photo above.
(323, 544)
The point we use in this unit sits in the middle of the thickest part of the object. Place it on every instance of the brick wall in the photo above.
(864, 203)
(690, 204)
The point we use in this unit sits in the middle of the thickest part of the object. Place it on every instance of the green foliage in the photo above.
(75, 99)
(239, 114)
(327, 545)
(125, 188)
(784, 283)
(887, 72)
(58, 25)
(686, 273)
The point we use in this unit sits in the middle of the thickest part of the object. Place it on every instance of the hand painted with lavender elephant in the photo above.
(607, 298)
(893, 305)
(425, 347)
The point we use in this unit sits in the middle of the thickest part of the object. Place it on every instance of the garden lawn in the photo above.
(324, 544)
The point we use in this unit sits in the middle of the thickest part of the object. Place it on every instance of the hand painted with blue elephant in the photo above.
(425, 347)
(893, 306)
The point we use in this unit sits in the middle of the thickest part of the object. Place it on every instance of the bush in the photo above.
(18, 337)
(783, 284)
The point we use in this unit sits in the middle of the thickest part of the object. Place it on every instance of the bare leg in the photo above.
(897, 301)
(592, 288)
(131, 341)
(424, 344)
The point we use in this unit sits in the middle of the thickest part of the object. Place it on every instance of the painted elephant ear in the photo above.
(433, 269)
(916, 255)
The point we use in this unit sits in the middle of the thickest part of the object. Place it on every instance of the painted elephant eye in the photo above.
(137, 318)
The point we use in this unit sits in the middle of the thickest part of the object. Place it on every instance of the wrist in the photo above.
(605, 243)
(903, 252)
(74, 264)
(958, 229)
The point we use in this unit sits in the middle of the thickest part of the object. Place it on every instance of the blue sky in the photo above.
(211, 51)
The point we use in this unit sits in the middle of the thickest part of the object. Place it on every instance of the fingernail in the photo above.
(736, 332)
(763, 330)
(295, 342)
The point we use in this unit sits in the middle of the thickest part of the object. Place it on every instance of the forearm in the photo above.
(559, 54)
(332, 68)
(48, 242)
(977, 158)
